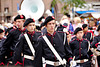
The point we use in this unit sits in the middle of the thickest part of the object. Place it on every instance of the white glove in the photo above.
(95, 52)
(73, 63)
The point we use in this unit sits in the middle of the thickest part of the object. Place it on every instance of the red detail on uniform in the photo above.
(94, 28)
(82, 28)
(31, 33)
(12, 30)
(22, 30)
(80, 40)
(11, 53)
(96, 44)
(21, 17)
(50, 34)
(53, 17)
(72, 40)
(80, 50)
(64, 26)
(3, 30)
(23, 62)
(70, 58)
(18, 63)
(7, 64)
(45, 65)
(1, 63)
(91, 55)
(91, 32)
(33, 20)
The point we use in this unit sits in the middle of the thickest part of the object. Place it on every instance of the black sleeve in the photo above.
(2, 58)
(94, 42)
(68, 51)
(6, 45)
(38, 54)
(18, 50)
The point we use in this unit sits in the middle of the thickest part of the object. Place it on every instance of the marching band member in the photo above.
(23, 46)
(12, 38)
(80, 49)
(87, 35)
(57, 51)
(95, 44)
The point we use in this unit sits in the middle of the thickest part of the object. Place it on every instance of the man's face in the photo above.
(51, 26)
(30, 27)
(19, 23)
(79, 35)
(86, 29)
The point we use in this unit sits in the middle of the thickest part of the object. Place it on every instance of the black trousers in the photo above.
(98, 59)
(28, 63)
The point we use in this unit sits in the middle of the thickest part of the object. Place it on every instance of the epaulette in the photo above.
(72, 40)
(41, 36)
(12, 30)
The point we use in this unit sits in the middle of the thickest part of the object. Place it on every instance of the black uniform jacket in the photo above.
(95, 42)
(9, 44)
(43, 50)
(23, 47)
(80, 49)
(88, 36)
(2, 61)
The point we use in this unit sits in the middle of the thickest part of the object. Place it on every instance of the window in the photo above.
(6, 10)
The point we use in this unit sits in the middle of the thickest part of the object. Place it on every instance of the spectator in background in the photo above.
(77, 22)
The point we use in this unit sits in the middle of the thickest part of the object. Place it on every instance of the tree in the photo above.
(69, 4)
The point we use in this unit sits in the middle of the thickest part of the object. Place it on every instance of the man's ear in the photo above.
(23, 20)
(46, 25)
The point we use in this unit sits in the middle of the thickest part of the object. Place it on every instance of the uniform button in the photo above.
(33, 42)
(54, 44)
(53, 37)
(81, 48)
(32, 36)
(81, 54)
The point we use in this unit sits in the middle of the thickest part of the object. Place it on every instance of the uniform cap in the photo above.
(29, 20)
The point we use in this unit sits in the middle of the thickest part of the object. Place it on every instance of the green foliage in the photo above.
(68, 4)
(54, 3)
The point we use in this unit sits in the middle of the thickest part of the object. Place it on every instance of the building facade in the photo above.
(9, 8)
